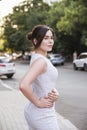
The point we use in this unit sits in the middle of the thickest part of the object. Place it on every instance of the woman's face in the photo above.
(47, 42)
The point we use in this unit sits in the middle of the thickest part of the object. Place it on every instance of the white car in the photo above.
(81, 62)
(7, 67)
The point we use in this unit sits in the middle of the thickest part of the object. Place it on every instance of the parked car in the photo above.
(80, 62)
(27, 56)
(57, 59)
(7, 67)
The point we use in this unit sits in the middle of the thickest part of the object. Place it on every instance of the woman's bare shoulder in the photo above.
(39, 64)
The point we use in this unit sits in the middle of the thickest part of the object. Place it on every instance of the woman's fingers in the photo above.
(45, 102)
(53, 95)
(55, 91)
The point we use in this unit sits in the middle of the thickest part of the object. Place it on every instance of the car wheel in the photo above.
(62, 63)
(75, 67)
(9, 75)
(85, 67)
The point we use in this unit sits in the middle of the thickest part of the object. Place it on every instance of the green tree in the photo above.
(68, 18)
(54, 15)
(26, 15)
(73, 24)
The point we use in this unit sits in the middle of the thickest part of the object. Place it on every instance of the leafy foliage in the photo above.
(67, 18)
(24, 17)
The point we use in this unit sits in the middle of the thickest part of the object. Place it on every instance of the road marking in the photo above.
(5, 85)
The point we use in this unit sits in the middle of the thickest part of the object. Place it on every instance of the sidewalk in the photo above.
(12, 104)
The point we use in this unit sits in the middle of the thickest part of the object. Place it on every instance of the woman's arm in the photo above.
(38, 67)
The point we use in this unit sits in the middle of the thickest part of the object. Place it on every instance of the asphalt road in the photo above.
(72, 103)
(72, 86)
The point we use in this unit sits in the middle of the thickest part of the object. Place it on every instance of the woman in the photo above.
(38, 84)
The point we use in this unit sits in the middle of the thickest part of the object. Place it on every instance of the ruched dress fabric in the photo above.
(42, 118)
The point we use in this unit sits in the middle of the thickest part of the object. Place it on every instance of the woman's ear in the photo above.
(35, 41)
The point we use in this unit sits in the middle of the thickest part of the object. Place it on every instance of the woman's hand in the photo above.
(45, 102)
(53, 95)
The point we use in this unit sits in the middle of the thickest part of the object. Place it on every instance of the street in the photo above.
(72, 103)
(72, 86)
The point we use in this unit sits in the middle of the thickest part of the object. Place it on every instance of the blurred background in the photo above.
(67, 18)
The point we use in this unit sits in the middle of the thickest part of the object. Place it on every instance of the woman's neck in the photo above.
(41, 52)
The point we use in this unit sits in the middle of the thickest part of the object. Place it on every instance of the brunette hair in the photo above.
(38, 33)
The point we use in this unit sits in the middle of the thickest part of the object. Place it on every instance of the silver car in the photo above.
(81, 62)
(57, 59)
(7, 67)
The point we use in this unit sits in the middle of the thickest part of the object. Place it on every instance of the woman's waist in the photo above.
(32, 108)
(42, 92)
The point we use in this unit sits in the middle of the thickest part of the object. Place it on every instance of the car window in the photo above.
(5, 60)
(82, 56)
(57, 55)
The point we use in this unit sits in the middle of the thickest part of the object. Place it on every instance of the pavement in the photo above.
(12, 104)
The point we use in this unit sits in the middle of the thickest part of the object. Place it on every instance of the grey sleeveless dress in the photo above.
(42, 118)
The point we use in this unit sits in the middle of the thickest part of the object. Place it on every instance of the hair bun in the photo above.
(29, 36)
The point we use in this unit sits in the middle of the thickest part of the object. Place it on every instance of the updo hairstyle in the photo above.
(38, 33)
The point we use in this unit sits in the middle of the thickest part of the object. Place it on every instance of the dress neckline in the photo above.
(40, 55)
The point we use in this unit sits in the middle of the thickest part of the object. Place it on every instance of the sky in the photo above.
(6, 6)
